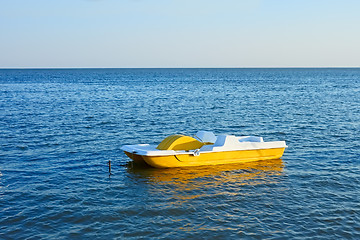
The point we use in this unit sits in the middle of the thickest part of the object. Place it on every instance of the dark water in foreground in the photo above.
(58, 129)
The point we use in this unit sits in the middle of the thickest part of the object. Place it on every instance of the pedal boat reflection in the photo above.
(191, 178)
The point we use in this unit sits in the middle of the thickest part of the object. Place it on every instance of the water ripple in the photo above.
(59, 128)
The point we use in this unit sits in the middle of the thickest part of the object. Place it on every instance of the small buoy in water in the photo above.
(109, 167)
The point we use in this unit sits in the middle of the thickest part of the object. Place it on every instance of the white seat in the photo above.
(222, 141)
(226, 140)
(250, 139)
(206, 137)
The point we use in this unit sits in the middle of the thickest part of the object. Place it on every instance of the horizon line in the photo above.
(44, 68)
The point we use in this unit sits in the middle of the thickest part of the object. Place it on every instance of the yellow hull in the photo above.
(210, 158)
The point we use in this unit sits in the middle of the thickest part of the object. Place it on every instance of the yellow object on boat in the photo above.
(179, 142)
(185, 151)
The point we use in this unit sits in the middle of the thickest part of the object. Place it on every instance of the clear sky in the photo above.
(179, 33)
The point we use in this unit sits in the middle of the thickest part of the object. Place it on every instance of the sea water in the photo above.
(59, 128)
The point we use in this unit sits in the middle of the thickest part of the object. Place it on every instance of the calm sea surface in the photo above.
(59, 128)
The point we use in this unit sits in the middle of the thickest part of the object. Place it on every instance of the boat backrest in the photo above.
(206, 137)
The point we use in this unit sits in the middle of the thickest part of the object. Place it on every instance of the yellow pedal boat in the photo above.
(204, 149)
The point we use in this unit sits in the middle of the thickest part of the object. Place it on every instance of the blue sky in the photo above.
(179, 33)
